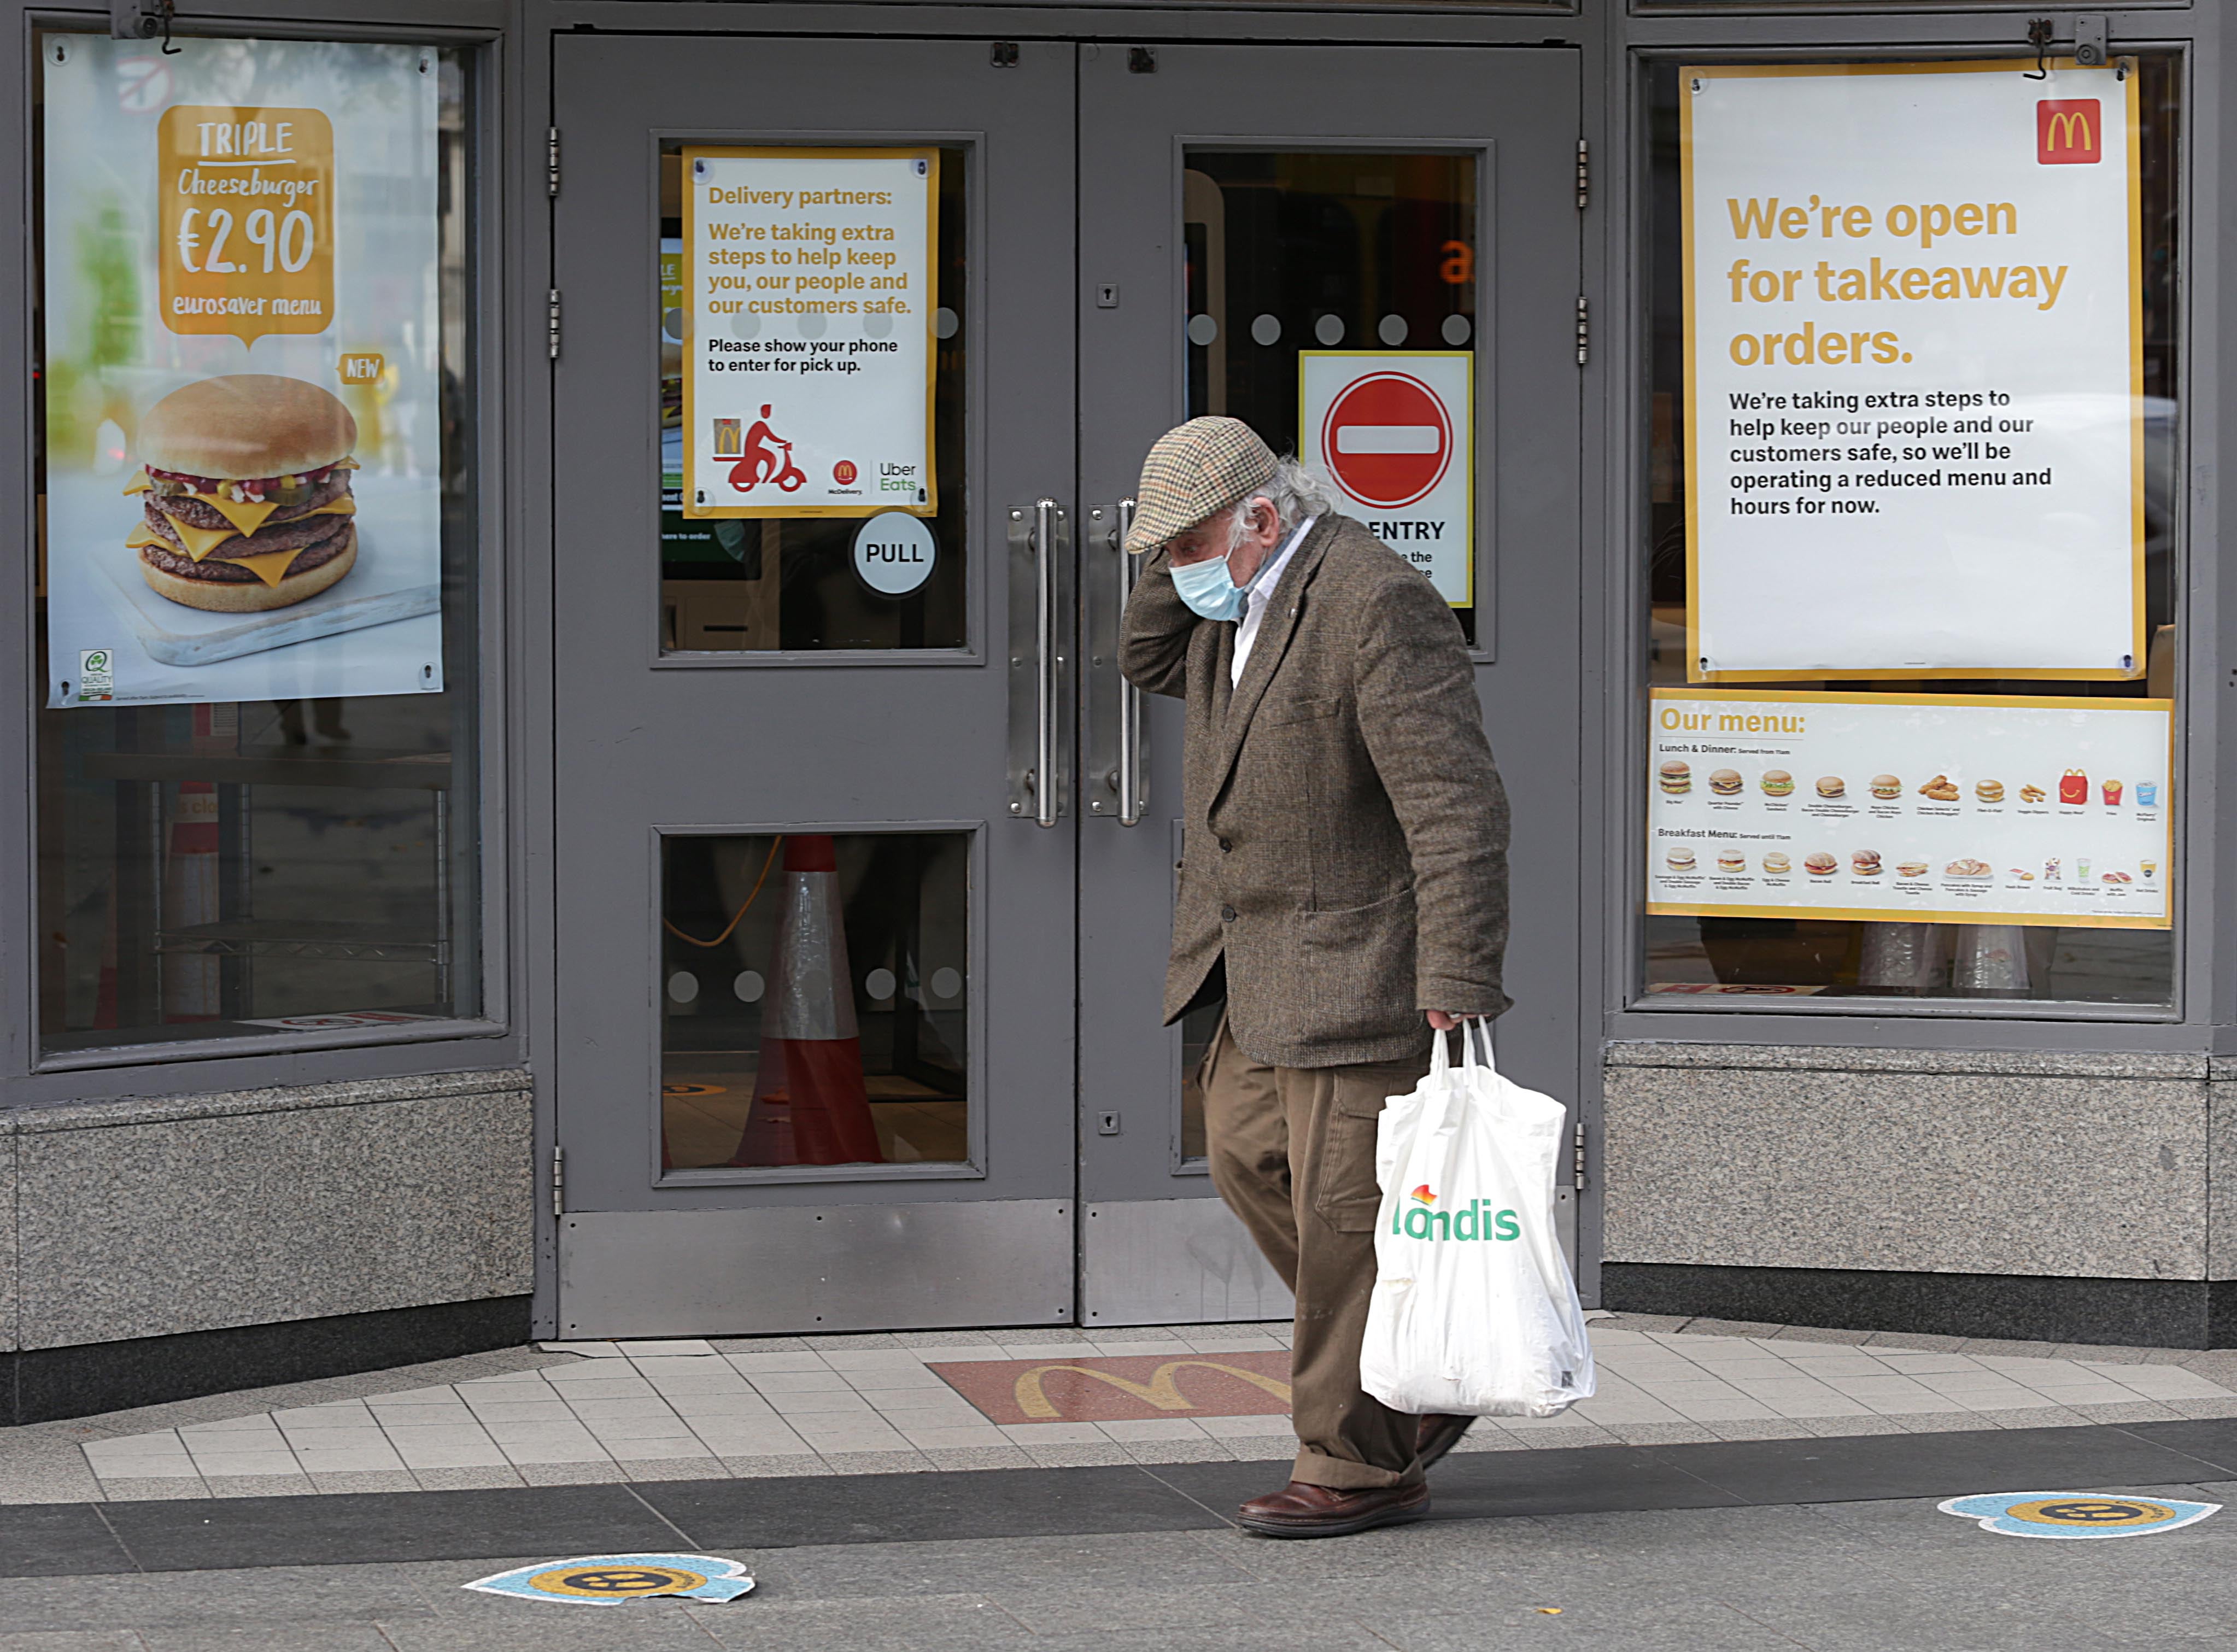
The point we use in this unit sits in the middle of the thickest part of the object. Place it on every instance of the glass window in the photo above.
(756, 584)
(256, 762)
(1694, 960)
(1354, 251)
(814, 994)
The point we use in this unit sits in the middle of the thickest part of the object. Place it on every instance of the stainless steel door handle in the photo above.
(1131, 799)
(1039, 579)
(1110, 722)
(1045, 797)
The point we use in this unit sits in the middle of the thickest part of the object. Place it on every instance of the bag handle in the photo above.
(1440, 1061)
(1473, 1027)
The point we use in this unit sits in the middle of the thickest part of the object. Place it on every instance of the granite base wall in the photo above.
(131, 1226)
(46, 1385)
(1782, 1174)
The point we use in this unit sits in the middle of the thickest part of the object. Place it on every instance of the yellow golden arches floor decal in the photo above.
(1161, 1391)
(1123, 1387)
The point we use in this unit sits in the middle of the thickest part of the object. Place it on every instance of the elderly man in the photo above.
(1343, 888)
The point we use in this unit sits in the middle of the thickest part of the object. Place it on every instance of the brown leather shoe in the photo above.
(1437, 1435)
(1301, 1510)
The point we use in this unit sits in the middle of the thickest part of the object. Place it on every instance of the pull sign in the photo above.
(894, 554)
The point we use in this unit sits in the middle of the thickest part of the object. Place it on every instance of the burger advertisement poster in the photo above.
(241, 387)
(1913, 808)
(1914, 371)
(809, 326)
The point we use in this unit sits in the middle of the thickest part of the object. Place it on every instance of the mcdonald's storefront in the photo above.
(577, 784)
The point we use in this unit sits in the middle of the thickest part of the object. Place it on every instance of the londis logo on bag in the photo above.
(1421, 1219)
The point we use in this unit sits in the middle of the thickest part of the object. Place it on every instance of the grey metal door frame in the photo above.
(1156, 1244)
(1063, 1012)
(648, 744)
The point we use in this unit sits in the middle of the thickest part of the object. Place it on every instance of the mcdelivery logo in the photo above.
(1477, 1221)
(844, 472)
(2067, 131)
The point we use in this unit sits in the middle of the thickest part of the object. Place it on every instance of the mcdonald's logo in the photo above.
(1161, 1393)
(1124, 1388)
(2067, 132)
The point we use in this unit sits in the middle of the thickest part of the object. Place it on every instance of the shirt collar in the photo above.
(1262, 589)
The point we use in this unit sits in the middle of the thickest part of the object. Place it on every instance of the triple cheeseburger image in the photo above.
(246, 486)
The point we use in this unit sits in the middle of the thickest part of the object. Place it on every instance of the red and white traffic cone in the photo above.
(190, 896)
(810, 1105)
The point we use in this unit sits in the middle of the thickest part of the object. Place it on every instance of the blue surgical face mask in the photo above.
(1211, 591)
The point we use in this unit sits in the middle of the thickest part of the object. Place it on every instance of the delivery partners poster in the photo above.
(241, 375)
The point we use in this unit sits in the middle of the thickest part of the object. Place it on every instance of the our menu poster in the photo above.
(1912, 808)
(808, 317)
(243, 378)
(1914, 404)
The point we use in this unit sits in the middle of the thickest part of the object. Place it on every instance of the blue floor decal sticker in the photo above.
(2075, 1514)
(608, 1580)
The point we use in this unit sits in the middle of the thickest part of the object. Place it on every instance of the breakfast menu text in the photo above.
(1939, 807)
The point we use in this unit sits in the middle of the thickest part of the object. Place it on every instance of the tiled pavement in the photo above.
(785, 1406)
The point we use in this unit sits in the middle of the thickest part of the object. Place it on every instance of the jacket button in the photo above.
(1227, 915)
(1225, 846)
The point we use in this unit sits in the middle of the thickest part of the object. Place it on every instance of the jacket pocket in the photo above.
(1304, 709)
(1356, 968)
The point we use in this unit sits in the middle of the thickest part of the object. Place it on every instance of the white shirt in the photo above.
(1254, 606)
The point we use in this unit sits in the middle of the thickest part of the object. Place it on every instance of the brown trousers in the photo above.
(1292, 1153)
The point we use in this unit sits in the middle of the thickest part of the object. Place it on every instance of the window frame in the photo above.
(475, 30)
(1634, 1014)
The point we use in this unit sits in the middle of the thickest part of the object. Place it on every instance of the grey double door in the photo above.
(864, 878)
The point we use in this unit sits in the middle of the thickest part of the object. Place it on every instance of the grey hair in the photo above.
(1292, 492)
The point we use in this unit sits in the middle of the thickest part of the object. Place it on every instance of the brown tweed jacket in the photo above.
(1345, 830)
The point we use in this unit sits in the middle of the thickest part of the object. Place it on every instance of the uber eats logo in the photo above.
(1421, 1219)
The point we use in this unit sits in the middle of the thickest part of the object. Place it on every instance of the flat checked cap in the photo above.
(1194, 471)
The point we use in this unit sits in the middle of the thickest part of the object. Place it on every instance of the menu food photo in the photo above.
(242, 384)
(1939, 807)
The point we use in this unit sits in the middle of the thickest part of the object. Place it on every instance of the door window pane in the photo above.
(1199, 1028)
(767, 584)
(814, 990)
(1348, 251)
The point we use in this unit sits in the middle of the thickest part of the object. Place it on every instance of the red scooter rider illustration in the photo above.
(761, 464)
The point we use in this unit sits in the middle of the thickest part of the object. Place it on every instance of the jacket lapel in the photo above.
(1275, 627)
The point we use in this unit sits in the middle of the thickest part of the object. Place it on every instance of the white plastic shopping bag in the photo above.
(1474, 1312)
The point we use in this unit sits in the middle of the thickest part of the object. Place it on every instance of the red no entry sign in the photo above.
(1387, 440)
